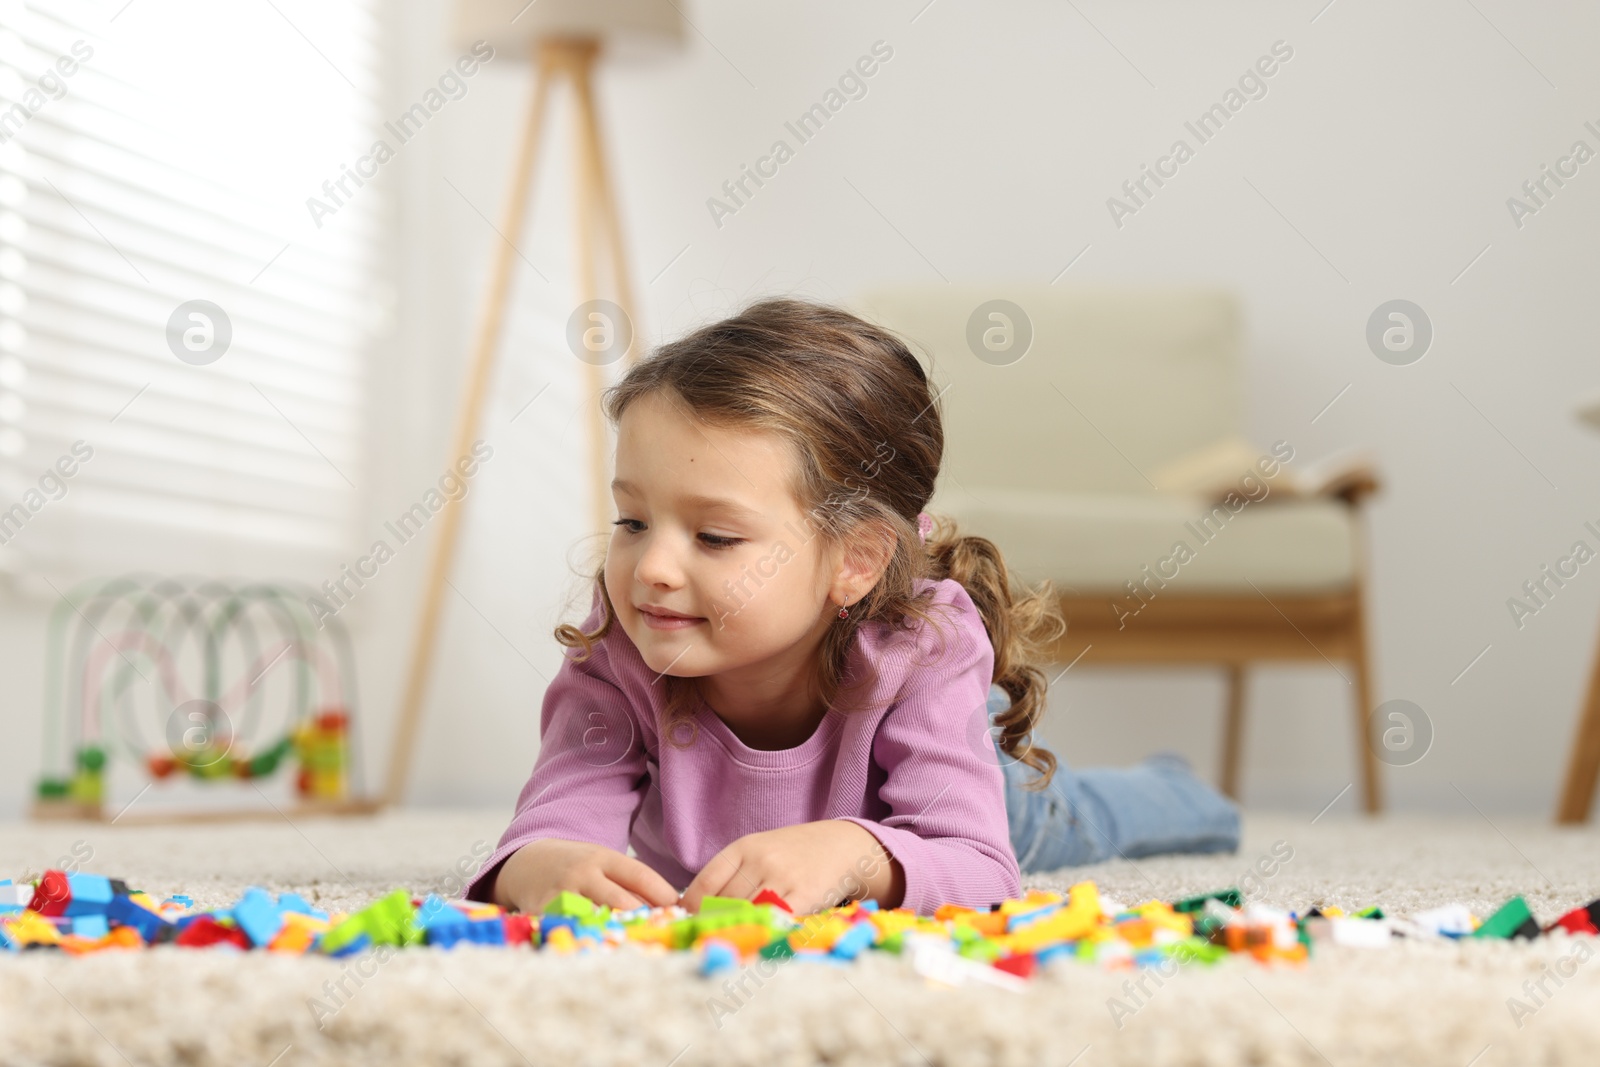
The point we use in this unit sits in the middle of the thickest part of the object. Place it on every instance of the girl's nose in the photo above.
(659, 564)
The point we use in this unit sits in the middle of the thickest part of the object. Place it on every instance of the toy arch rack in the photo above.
(184, 677)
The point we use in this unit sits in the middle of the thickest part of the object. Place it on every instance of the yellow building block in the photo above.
(817, 932)
(31, 928)
(561, 941)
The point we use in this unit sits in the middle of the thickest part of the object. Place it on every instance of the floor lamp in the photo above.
(563, 38)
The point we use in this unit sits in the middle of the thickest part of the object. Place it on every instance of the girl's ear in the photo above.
(862, 559)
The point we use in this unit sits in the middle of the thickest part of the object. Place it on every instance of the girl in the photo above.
(789, 677)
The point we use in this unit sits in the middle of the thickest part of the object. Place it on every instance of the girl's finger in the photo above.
(641, 878)
(603, 890)
(712, 880)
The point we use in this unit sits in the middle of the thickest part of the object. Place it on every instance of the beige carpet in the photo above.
(1415, 1003)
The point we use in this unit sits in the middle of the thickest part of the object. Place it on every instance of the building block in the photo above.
(52, 895)
(549, 924)
(574, 905)
(15, 897)
(391, 920)
(1512, 920)
(717, 956)
(90, 895)
(1584, 920)
(93, 927)
(851, 944)
(1231, 897)
(206, 931)
(767, 896)
(30, 928)
(258, 916)
(442, 924)
(296, 903)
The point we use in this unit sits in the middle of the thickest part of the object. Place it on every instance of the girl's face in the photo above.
(708, 528)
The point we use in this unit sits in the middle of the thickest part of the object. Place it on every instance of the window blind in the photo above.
(153, 155)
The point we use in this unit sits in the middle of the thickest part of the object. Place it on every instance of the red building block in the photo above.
(205, 931)
(519, 929)
(1021, 966)
(52, 895)
(767, 896)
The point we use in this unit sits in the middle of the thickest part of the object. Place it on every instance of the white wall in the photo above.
(1381, 160)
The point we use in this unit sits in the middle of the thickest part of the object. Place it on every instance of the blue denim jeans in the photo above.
(1097, 813)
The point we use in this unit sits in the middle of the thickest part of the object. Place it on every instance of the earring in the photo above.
(844, 613)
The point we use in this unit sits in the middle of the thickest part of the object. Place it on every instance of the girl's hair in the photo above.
(856, 408)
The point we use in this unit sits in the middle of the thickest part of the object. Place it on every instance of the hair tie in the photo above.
(924, 525)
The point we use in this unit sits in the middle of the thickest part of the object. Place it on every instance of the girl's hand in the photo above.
(537, 871)
(812, 866)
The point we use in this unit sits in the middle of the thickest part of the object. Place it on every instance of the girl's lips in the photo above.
(660, 622)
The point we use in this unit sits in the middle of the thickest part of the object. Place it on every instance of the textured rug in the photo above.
(1456, 1004)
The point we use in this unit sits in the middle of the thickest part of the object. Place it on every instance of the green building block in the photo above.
(1194, 950)
(983, 950)
(341, 935)
(717, 905)
(1231, 897)
(777, 949)
(895, 942)
(963, 935)
(575, 905)
(391, 920)
(1512, 920)
(1373, 912)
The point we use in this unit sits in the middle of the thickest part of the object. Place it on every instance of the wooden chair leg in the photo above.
(1360, 659)
(1233, 731)
(1583, 766)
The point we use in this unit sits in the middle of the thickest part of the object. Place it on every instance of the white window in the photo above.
(154, 154)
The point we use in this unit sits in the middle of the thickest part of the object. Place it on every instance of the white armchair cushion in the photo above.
(1091, 543)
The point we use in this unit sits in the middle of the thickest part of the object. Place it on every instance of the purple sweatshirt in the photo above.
(919, 773)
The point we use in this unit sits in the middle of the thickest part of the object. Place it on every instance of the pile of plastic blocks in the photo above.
(82, 913)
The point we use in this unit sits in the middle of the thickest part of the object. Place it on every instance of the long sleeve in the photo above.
(947, 825)
(589, 778)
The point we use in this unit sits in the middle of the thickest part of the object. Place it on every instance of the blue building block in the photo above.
(443, 924)
(359, 943)
(548, 923)
(125, 912)
(93, 927)
(296, 903)
(91, 894)
(716, 957)
(1065, 948)
(490, 931)
(258, 916)
(854, 940)
(1024, 919)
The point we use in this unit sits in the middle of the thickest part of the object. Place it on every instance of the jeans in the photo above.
(1089, 815)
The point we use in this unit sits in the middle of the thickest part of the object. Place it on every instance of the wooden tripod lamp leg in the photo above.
(594, 151)
(483, 350)
(1583, 766)
(587, 183)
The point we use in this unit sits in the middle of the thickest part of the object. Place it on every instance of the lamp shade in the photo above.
(629, 29)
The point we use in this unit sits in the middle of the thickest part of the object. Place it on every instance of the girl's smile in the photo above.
(659, 620)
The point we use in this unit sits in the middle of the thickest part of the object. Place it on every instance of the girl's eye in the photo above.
(710, 539)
